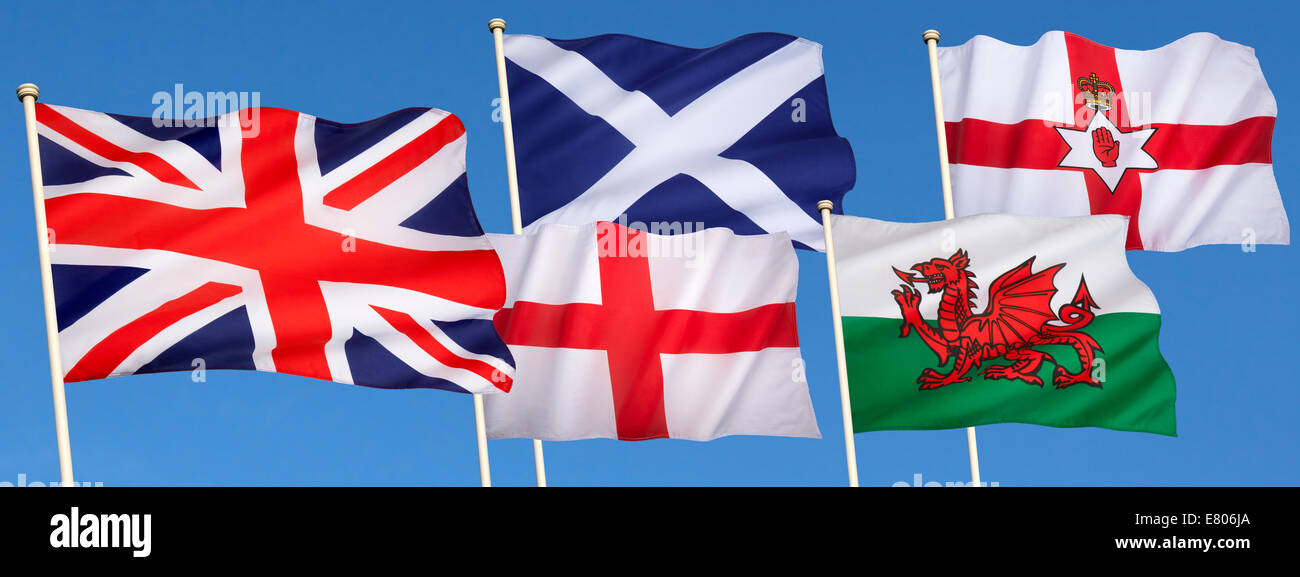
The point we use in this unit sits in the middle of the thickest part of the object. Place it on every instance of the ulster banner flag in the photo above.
(1179, 138)
(625, 334)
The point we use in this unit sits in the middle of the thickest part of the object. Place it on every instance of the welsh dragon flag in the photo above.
(1178, 138)
(999, 319)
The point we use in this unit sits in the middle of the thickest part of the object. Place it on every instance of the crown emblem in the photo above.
(1097, 93)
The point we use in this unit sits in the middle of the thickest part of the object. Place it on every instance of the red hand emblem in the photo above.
(1105, 146)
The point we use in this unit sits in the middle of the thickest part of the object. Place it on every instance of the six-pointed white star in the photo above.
(1131, 154)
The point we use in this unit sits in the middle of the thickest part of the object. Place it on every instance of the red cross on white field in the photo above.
(634, 332)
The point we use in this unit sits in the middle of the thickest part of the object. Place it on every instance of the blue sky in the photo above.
(1230, 317)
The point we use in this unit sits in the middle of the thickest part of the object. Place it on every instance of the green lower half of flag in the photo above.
(1136, 392)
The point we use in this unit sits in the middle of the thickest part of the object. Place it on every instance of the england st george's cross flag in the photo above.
(624, 334)
(271, 240)
(1178, 138)
(737, 136)
(999, 319)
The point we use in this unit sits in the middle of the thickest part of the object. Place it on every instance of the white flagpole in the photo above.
(27, 93)
(931, 38)
(480, 434)
(850, 451)
(498, 27)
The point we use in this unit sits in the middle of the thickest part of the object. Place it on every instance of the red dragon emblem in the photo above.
(1016, 320)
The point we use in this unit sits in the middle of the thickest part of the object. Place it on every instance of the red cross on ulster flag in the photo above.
(620, 333)
(1179, 138)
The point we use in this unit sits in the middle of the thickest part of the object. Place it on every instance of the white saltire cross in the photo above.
(688, 142)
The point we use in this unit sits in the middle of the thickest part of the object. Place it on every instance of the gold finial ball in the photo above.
(825, 205)
(497, 24)
(929, 35)
(28, 89)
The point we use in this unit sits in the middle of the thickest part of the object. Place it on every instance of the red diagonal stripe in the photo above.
(148, 162)
(106, 355)
(408, 326)
(365, 185)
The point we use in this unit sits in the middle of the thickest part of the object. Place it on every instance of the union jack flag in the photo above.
(282, 243)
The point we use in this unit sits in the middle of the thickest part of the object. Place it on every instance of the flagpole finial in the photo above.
(825, 205)
(929, 35)
(497, 24)
(28, 89)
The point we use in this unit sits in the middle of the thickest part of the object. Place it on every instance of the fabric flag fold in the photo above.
(620, 333)
(999, 319)
(1179, 138)
(619, 128)
(270, 240)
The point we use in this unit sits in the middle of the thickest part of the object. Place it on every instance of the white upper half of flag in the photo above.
(1197, 79)
(1092, 247)
(712, 270)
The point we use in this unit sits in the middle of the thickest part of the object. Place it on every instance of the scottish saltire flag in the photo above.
(285, 243)
(737, 136)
